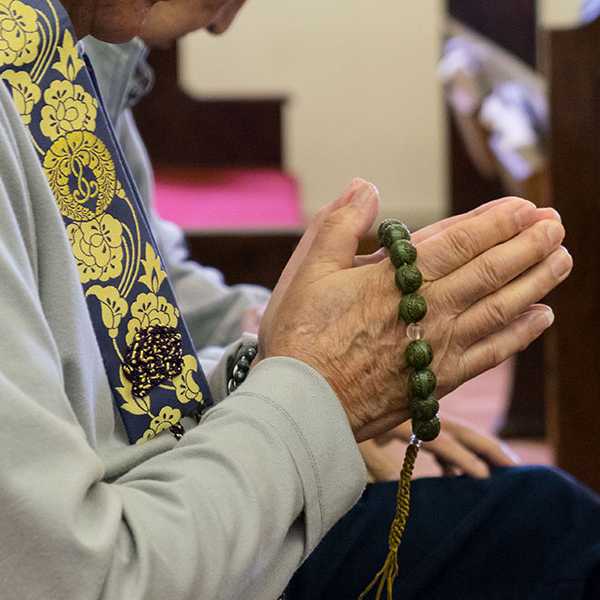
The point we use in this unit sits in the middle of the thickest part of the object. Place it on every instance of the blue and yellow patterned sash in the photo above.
(148, 354)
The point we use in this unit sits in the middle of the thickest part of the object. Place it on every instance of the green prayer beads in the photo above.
(408, 279)
(413, 308)
(402, 252)
(424, 410)
(424, 407)
(422, 383)
(419, 354)
(427, 431)
(392, 230)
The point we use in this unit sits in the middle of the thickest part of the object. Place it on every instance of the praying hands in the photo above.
(484, 273)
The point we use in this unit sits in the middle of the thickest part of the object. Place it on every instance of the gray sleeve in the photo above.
(213, 310)
(229, 512)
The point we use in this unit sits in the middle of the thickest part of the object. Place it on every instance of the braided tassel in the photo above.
(387, 575)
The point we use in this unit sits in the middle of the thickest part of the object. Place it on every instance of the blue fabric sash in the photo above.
(148, 354)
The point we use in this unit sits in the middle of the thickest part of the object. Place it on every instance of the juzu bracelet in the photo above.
(395, 236)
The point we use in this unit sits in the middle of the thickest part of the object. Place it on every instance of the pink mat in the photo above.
(228, 199)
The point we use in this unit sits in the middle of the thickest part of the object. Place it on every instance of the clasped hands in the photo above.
(484, 274)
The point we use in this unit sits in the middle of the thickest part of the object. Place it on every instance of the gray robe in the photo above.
(228, 512)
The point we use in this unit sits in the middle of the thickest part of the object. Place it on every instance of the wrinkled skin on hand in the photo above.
(483, 273)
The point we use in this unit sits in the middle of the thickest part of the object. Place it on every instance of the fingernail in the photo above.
(554, 214)
(508, 451)
(554, 232)
(542, 318)
(363, 194)
(524, 216)
(560, 263)
(549, 213)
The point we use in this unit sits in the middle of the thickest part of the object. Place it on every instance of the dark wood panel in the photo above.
(468, 188)
(510, 23)
(257, 258)
(573, 61)
(243, 257)
(180, 130)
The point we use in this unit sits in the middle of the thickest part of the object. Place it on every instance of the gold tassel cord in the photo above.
(386, 576)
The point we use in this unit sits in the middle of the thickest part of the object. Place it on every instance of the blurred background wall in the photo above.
(557, 13)
(364, 99)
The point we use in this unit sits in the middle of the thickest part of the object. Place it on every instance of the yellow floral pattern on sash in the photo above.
(25, 93)
(112, 261)
(150, 309)
(133, 405)
(186, 387)
(68, 108)
(97, 247)
(167, 417)
(19, 36)
(69, 63)
(153, 273)
(81, 172)
(113, 306)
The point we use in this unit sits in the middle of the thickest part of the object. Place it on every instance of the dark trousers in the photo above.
(524, 533)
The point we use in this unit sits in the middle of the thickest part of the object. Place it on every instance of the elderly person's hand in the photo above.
(482, 274)
(459, 450)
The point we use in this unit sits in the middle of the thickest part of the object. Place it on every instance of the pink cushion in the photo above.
(197, 199)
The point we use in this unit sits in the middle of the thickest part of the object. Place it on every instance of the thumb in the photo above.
(305, 244)
(336, 240)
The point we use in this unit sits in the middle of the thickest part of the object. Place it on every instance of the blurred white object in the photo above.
(590, 10)
(462, 74)
(518, 126)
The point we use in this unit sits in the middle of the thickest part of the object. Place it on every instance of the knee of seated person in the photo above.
(546, 481)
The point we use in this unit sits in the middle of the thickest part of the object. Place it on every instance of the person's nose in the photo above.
(225, 17)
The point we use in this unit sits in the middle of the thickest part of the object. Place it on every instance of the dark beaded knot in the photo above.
(155, 355)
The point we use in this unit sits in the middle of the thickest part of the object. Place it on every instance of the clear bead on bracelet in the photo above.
(414, 332)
